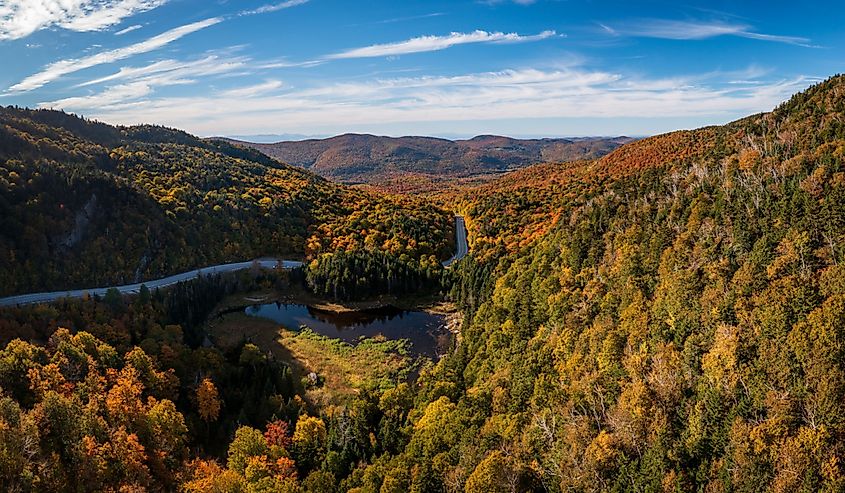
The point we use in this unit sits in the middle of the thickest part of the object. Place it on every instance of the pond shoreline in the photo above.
(298, 295)
(431, 304)
(230, 324)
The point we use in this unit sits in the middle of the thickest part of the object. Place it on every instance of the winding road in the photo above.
(27, 299)
(461, 240)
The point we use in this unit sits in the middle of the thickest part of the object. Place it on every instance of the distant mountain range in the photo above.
(271, 138)
(361, 158)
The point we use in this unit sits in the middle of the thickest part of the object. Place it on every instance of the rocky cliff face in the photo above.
(81, 220)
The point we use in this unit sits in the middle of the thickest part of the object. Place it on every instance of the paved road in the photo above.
(25, 299)
(461, 239)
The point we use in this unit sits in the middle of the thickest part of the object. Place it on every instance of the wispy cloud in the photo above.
(435, 43)
(118, 94)
(20, 18)
(132, 83)
(530, 93)
(160, 72)
(128, 30)
(144, 81)
(254, 90)
(16, 14)
(61, 68)
(410, 18)
(273, 7)
(694, 30)
(282, 63)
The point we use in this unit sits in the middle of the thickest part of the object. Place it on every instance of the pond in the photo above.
(427, 332)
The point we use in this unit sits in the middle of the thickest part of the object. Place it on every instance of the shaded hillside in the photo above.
(666, 318)
(355, 158)
(85, 203)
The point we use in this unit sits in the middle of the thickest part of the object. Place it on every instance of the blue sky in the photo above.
(444, 68)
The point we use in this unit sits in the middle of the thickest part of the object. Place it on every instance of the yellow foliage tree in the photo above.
(208, 401)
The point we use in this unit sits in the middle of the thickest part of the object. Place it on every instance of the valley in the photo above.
(424, 164)
(466, 246)
(30, 298)
(665, 316)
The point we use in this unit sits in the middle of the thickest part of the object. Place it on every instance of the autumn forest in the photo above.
(664, 314)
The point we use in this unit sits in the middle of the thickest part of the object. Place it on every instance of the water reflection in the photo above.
(426, 331)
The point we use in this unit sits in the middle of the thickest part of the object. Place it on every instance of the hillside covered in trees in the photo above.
(668, 317)
(417, 164)
(84, 204)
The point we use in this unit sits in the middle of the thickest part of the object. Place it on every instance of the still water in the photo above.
(427, 332)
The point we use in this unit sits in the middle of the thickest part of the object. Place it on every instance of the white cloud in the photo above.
(410, 18)
(128, 29)
(435, 43)
(573, 93)
(61, 68)
(20, 18)
(113, 95)
(687, 30)
(253, 91)
(134, 83)
(282, 63)
(165, 70)
(133, 72)
(137, 82)
(274, 7)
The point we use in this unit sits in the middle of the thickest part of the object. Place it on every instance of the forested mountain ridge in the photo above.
(86, 203)
(391, 161)
(666, 318)
(538, 191)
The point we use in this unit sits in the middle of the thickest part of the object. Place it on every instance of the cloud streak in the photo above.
(20, 18)
(410, 18)
(130, 84)
(61, 68)
(164, 70)
(128, 30)
(573, 93)
(97, 15)
(687, 30)
(273, 7)
(254, 90)
(435, 43)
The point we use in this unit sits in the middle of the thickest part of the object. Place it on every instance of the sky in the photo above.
(524, 68)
